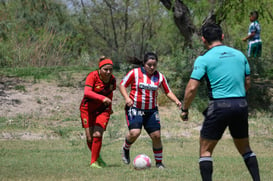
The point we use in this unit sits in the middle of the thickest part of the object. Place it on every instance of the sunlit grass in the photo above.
(52, 146)
(65, 159)
(65, 156)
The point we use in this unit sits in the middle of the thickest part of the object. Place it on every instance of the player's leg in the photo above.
(89, 137)
(258, 62)
(100, 125)
(249, 49)
(152, 127)
(85, 118)
(131, 137)
(97, 142)
(134, 122)
(157, 148)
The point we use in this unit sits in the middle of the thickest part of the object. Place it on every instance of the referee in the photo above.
(227, 73)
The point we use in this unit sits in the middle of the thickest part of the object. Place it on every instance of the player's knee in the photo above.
(134, 133)
(97, 134)
(155, 136)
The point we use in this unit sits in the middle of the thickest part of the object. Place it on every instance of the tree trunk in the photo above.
(182, 19)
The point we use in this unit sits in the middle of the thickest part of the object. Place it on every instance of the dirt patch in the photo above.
(19, 96)
(46, 99)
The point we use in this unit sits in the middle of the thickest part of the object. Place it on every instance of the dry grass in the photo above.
(43, 140)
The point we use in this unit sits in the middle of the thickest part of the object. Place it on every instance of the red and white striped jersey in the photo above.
(144, 88)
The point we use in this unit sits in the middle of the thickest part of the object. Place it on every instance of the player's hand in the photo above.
(184, 116)
(129, 102)
(106, 101)
(178, 104)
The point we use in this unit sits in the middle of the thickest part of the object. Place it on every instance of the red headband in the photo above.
(104, 62)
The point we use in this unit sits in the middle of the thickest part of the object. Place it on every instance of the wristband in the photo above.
(184, 110)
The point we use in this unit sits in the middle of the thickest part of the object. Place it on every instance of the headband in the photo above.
(104, 62)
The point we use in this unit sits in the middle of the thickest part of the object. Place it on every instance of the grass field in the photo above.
(45, 141)
(67, 157)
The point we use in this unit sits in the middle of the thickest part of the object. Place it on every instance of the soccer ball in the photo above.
(141, 162)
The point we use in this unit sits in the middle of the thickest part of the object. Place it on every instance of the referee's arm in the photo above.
(189, 95)
(247, 82)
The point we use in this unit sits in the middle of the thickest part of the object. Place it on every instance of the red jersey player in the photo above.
(141, 106)
(96, 107)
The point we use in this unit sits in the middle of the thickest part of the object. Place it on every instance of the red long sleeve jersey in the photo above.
(96, 90)
(144, 88)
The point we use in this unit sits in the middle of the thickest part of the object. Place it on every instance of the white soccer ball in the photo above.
(141, 162)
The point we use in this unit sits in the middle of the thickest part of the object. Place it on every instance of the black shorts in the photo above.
(222, 113)
(136, 118)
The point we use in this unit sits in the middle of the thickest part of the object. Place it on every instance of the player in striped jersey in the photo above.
(141, 105)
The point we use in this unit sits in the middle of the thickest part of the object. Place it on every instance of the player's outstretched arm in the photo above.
(172, 97)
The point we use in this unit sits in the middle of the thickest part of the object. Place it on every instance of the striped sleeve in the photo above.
(127, 79)
(164, 83)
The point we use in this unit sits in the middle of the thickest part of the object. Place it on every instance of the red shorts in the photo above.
(91, 119)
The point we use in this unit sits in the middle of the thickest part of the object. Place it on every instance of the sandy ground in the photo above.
(45, 99)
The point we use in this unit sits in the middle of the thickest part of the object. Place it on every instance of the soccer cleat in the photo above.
(125, 155)
(160, 165)
(95, 165)
(101, 162)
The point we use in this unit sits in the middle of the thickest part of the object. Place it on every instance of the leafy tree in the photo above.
(217, 12)
(126, 27)
(36, 33)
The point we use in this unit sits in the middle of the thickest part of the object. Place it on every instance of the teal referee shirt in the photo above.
(225, 69)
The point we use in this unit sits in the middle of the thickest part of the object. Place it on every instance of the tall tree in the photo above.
(218, 12)
(182, 19)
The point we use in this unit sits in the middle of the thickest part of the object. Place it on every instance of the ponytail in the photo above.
(147, 56)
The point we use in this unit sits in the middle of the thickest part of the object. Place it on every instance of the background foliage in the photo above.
(50, 33)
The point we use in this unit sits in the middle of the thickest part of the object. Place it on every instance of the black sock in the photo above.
(252, 165)
(206, 168)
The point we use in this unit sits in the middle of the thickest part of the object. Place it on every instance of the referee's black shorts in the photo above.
(222, 113)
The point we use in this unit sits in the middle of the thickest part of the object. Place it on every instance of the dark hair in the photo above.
(255, 14)
(212, 32)
(150, 55)
(147, 56)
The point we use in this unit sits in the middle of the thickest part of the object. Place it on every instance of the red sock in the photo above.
(89, 144)
(96, 146)
(127, 144)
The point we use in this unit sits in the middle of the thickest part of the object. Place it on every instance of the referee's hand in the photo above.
(184, 116)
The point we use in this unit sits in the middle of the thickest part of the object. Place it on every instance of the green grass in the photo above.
(61, 73)
(64, 159)
(57, 148)
(62, 153)
(65, 156)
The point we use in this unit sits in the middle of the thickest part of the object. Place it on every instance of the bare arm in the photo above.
(249, 36)
(123, 91)
(189, 95)
(171, 96)
(247, 83)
